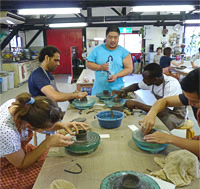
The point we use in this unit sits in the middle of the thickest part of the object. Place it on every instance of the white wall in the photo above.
(91, 33)
(38, 41)
(157, 37)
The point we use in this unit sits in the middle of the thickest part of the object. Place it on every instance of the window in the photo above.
(132, 42)
(192, 40)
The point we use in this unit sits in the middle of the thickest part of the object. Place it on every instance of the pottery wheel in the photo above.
(103, 97)
(141, 143)
(111, 103)
(87, 146)
(112, 181)
(83, 104)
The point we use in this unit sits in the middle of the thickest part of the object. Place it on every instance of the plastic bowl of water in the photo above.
(108, 120)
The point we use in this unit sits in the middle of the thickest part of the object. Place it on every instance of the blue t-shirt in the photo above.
(37, 80)
(101, 55)
(165, 61)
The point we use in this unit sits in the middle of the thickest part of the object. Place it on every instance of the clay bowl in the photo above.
(130, 181)
(82, 135)
(84, 99)
(106, 92)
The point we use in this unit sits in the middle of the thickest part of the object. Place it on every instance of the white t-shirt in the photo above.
(10, 141)
(157, 58)
(172, 87)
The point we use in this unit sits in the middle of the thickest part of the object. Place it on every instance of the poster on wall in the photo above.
(148, 31)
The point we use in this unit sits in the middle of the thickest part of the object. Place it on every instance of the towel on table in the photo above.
(179, 167)
(61, 184)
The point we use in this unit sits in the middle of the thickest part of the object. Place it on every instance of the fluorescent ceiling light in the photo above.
(68, 25)
(99, 39)
(163, 8)
(9, 21)
(49, 11)
(192, 21)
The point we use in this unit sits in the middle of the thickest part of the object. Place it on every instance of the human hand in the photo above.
(70, 127)
(58, 140)
(82, 94)
(147, 123)
(158, 137)
(112, 78)
(131, 104)
(194, 67)
(120, 94)
(104, 67)
(182, 61)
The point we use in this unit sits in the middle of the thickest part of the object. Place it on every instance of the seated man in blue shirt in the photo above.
(41, 82)
(191, 96)
(111, 62)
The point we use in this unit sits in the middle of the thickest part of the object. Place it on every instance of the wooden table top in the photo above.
(117, 153)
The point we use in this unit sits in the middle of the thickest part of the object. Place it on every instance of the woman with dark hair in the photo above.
(190, 96)
(20, 161)
(166, 61)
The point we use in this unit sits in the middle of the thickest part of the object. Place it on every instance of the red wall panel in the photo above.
(63, 39)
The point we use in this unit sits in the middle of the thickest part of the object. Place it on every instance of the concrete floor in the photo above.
(64, 85)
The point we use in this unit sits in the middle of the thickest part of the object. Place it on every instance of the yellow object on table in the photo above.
(189, 128)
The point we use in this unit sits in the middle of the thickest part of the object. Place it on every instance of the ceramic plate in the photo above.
(113, 181)
(88, 146)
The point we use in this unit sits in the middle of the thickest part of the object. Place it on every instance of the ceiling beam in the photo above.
(19, 4)
(10, 36)
(90, 19)
(33, 38)
(116, 11)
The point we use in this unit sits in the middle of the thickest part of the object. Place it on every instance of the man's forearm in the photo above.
(61, 97)
(158, 107)
(143, 107)
(188, 144)
(93, 66)
(132, 88)
(124, 72)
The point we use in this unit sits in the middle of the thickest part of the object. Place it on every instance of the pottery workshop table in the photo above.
(86, 73)
(117, 153)
(184, 71)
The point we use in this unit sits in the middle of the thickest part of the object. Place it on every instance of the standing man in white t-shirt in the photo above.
(161, 86)
(157, 56)
(197, 56)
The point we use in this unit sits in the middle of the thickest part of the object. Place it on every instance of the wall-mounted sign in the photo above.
(125, 30)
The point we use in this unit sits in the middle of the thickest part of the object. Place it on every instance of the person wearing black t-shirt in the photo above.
(191, 96)
(165, 61)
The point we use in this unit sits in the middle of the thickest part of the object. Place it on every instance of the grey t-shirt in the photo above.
(157, 58)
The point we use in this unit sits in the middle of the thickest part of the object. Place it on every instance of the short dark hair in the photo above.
(190, 83)
(112, 29)
(48, 50)
(199, 49)
(167, 51)
(158, 49)
(155, 70)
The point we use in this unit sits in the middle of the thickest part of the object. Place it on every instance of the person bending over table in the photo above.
(111, 62)
(166, 61)
(197, 56)
(191, 96)
(21, 161)
(41, 82)
(161, 86)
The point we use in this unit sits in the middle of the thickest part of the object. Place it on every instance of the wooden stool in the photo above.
(188, 126)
